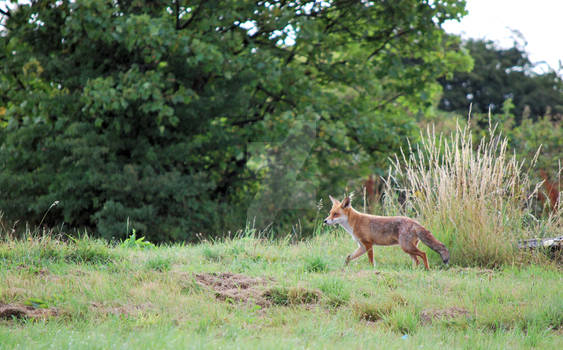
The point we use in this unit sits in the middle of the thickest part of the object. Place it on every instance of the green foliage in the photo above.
(501, 74)
(37, 303)
(178, 115)
(133, 242)
(543, 134)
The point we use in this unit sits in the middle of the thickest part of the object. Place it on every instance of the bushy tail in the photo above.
(427, 238)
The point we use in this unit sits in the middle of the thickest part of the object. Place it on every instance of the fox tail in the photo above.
(427, 238)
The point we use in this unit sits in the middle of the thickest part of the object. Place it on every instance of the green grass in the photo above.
(116, 297)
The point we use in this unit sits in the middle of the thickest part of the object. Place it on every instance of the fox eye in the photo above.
(335, 215)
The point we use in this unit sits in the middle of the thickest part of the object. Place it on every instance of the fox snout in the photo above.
(328, 221)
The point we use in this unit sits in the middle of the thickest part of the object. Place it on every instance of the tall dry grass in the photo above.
(476, 198)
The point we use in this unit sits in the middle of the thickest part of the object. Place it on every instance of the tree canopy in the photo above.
(502, 74)
(180, 117)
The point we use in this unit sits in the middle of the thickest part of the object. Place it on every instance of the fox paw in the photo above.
(347, 260)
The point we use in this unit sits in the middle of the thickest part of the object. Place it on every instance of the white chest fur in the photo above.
(349, 229)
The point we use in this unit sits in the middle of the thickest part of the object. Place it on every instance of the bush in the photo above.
(474, 199)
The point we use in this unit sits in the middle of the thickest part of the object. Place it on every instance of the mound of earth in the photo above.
(232, 287)
(427, 316)
(235, 287)
(11, 311)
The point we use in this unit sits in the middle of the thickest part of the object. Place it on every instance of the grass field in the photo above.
(253, 293)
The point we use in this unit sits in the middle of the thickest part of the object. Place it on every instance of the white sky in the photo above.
(539, 21)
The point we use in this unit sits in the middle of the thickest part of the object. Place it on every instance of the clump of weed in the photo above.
(159, 263)
(211, 254)
(90, 251)
(372, 311)
(292, 296)
(474, 198)
(383, 306)
(277, 296)
(299, 295)
(188, 285)
(398, 299)
(403, 320)
(334, 291)
(316, 264)
(133, 242)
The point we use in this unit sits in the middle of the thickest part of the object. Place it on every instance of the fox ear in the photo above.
(345, 203)
(334, 201)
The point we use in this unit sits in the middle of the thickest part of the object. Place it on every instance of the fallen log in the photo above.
(555, 243)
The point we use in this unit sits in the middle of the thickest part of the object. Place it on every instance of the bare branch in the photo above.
(6, 12)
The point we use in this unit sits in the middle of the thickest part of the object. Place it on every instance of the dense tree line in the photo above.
(499, 75)
(180, 117)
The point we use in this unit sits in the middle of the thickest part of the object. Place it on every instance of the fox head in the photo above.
(339, 212)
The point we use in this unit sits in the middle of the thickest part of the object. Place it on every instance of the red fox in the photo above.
(368, 230)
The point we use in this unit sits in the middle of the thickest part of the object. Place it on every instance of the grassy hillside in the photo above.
(252, 293)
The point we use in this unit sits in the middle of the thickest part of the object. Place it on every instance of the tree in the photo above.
(150, 112)
(498, 75)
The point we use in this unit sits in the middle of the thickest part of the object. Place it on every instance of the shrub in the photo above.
(474, 199)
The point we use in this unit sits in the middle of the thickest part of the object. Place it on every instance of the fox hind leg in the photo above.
(370, 255)
(413, 257)
(414, 252)
(408, 243)
(424, 259)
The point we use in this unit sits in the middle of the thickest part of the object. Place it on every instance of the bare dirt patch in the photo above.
(231, 287)
(429, 315)
(11, 311)
(235, 287)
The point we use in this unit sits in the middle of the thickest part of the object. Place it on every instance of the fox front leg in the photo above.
(361, 250)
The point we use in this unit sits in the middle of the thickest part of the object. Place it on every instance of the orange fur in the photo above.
(369, 230)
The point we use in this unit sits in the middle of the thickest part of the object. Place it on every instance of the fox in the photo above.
(368, 230)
